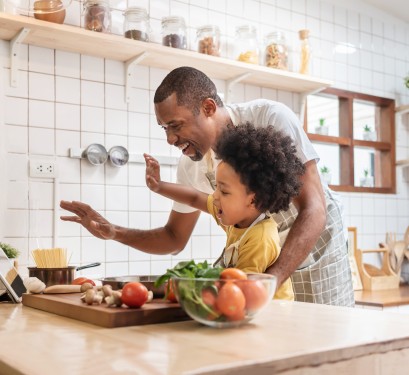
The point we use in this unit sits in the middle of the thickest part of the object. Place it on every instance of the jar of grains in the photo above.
(136, 24)
(246, 48)
(174, 32)
(208, 40)
(97, 16)
(276, 52)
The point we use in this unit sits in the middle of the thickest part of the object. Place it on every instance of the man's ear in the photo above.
(209, 107)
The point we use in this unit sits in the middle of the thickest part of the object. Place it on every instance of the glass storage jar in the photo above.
(246, 47)
(97, 16)
(208, 40)
(136, 24)
(276, 51)
(174, 32)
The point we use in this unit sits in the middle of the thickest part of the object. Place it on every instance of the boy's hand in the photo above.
(152, 175)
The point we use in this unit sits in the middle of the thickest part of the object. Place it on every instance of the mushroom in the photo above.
(114, 299)
(107, 290)
(34, 285)
(85, 287)
(91, 296)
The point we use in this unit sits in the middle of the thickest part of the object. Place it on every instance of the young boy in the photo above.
(258, 174)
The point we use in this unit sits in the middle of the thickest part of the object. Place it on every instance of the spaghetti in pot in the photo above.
(50, 258)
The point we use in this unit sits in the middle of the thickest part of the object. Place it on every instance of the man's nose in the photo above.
(171, 137)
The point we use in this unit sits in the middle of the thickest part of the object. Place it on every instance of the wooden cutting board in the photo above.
(70, 306)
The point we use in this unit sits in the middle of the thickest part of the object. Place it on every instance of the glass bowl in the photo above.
(224, 303)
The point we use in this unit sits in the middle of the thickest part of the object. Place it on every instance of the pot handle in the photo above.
(87, 266)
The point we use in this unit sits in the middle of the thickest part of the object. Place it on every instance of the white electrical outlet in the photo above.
(43, 168)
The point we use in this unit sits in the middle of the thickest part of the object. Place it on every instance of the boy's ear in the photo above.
(252, 197)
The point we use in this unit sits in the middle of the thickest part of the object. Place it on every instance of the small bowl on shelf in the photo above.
(224, 303)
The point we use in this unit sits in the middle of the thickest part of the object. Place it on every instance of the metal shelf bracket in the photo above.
(15, 45)
(231, 82)
(129, 73)
(303, 102)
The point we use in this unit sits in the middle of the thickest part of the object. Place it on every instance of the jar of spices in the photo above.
(49, 10)
(246, 47)
(97, 16)
(305, 51)
(136, 24)
(276, 52)
(174, 32)
(208, 40)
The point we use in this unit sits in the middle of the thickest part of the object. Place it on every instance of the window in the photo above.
(354, 135)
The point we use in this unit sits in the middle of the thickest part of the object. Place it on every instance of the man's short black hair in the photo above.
(191, 87)
(266, 161)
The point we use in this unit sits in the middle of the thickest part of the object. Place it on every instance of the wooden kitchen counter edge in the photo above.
(286, 337)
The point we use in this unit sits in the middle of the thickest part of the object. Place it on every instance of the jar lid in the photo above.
(277, 35)
(304, 33)
(96, 2)
(208, 29)
(136, 10)
(246, 28)
(48, 6)
(173, 19)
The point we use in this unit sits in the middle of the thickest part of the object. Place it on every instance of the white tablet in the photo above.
(10, 279)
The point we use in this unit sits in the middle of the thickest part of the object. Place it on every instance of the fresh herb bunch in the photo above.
(189, 269)
(190, 291)
(9, 250)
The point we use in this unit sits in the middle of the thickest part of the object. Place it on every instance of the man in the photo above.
(193, 116)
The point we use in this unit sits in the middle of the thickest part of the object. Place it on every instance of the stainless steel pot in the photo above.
(57, 276)
(147, 280)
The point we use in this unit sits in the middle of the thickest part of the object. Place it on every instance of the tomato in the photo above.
(230, 300)
(134, 294)
(209, 297)
(233, 273)
(169, 291)
(255, 293)
(81, 280)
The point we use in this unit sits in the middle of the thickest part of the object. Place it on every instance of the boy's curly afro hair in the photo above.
(266, 161)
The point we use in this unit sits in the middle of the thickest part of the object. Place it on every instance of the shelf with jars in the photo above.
(27, 30)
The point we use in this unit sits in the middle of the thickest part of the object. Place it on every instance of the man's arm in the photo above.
(307, 227)
(169, 239)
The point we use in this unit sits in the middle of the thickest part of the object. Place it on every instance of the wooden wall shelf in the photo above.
(115, 47)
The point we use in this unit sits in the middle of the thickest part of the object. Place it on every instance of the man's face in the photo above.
(188, 132)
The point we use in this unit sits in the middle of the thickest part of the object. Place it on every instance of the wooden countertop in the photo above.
(383, 298)
(286, 337)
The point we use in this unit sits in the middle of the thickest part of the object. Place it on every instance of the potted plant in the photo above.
(406, 80)
(369, 134)
(326, 174)
(366, 180)
(10, 251)
(322, 128)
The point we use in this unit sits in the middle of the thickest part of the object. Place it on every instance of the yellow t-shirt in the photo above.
(259, 248)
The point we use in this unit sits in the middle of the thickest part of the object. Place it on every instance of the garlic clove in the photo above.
(34, 285)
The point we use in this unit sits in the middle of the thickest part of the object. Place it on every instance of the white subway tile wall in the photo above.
(66, 100)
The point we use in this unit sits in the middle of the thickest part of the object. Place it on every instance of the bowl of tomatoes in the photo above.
(231, 300)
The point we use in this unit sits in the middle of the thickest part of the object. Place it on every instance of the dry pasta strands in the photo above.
(50, 258)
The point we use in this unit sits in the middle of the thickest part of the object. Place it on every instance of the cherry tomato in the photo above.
(134, 294)
(230, 300)
(81, 280)
(169, 291)
(255, 294)
(233, 273)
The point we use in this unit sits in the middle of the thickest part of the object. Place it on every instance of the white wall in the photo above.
(67, 100)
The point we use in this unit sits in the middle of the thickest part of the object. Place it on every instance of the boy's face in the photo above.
(191, 134)
(232, 199)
